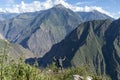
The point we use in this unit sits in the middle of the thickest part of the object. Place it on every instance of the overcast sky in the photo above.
(109, 7)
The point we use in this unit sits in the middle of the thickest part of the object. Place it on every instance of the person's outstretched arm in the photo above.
(54, 58)
(64, 58)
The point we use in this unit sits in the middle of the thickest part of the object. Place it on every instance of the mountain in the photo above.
(55, 32)
(5, 16)
(93, 15)
(14, 50)
(39, 31)
(111, 50)
(85, 38)
(95, 43)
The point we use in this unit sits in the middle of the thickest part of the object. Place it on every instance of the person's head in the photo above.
(60, 57)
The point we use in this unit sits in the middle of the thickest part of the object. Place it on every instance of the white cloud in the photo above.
(34, 6)
(37, 6)
(1, 10)
(85, 2)
(100, 9)
(116, 15)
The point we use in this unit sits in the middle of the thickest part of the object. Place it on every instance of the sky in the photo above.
(109, 7)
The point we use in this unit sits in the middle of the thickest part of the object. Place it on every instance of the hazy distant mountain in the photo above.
(95, 43)
(93, 15)
(4, 16)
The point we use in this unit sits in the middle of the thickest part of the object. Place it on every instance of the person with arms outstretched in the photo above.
(59, 62)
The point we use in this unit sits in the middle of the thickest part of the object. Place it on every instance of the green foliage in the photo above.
(53, 67)
(18, 70)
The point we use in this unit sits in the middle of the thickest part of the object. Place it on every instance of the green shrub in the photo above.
(18, 70)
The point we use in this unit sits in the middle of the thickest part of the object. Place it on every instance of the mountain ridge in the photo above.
(46, 27)
(59, 31)
(27, 28)
(93, 15)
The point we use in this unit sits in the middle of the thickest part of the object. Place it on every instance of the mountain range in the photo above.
(39, 31)
(83, 37)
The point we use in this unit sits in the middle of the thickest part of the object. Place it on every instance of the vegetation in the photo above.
(18, 70)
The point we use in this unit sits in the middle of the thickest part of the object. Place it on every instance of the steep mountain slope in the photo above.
(93, 15)
(39, 32)
(111, 50)
(85, 41)
(14, 50)
(94, 43)
(13, 28)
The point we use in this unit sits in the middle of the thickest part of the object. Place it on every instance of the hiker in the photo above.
(59, 62)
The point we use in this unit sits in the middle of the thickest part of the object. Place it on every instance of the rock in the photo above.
(78, 77)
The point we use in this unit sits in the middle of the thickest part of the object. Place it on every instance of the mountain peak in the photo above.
(95, 11)
(59, 6)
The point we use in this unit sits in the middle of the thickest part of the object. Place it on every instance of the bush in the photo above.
(18, 70)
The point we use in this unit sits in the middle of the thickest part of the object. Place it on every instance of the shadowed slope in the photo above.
(82, 46)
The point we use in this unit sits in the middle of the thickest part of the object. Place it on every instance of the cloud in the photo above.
(38, 5)
(1, 10)
(35, 6)
(117, 15)
(85, 2)
(100, 9)
(23, 7)
(31, 7)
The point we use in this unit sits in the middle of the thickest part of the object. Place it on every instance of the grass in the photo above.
(18, 70)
